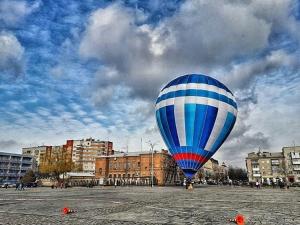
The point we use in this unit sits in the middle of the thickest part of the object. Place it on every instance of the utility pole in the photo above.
(126, 161)
(152, 148)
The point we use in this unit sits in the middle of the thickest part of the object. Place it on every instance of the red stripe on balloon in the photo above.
(189, 156)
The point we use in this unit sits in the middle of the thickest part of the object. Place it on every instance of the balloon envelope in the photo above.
(195, 114)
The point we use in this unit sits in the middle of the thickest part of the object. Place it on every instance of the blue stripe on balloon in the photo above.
(189, 114)
(210, 119)
(198, 93)
(192, 149)
(228, 125)
(159, 123)
(172, 124)
(196, 78)
(165, 125)
(187, 163)
(199, 123)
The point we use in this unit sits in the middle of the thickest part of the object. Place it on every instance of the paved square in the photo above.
(145, 205)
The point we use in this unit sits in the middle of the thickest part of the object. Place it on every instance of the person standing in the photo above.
(17, 186)
(257, 184)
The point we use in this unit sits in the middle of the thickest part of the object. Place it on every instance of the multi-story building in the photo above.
(36, 152)
(136, 167)
(81, 152)
(58, 158)
(86, 151)
(265, 166)
(272, 166)
(212, 170)
(292, 163)
(14, 166)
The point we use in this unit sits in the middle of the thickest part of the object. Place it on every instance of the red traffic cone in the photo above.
(67, 210)
(240, 219)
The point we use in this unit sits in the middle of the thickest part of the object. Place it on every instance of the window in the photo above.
(100, 171)
(139, 164)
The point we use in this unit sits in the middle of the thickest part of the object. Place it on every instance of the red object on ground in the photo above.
(240, 219)
(66, 210)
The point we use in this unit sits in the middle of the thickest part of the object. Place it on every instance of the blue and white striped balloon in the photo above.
(195, 114)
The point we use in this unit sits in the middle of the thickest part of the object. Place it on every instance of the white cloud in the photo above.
(242, 75)
(11, 54)
(145, 56)
(13, 12)
(202, 36)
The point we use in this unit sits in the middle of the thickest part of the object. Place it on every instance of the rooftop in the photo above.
(122, 154)
(265, 155)
(14, 154)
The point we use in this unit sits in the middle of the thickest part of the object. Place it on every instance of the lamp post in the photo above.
(151, 147)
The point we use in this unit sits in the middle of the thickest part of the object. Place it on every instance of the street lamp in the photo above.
(151, 147)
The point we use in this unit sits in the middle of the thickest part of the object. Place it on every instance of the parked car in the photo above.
(4, 185)
(212, 182)
(178, 183)
(9, 185)
(31, 184)
(295, 185)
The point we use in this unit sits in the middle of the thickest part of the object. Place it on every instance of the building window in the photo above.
(139, 164)
(100, 171)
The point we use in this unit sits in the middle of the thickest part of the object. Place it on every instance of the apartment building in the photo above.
(292, 163)
(36, 152)
(268, 167)
(14, 166)
(86, 151)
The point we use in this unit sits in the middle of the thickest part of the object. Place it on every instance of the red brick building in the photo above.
(135, 168)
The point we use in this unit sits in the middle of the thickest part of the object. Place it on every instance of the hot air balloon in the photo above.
(195, 114)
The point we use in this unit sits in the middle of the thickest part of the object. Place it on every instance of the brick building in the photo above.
(135, 168)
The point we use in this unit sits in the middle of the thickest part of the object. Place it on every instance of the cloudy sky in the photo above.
(76, 69)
